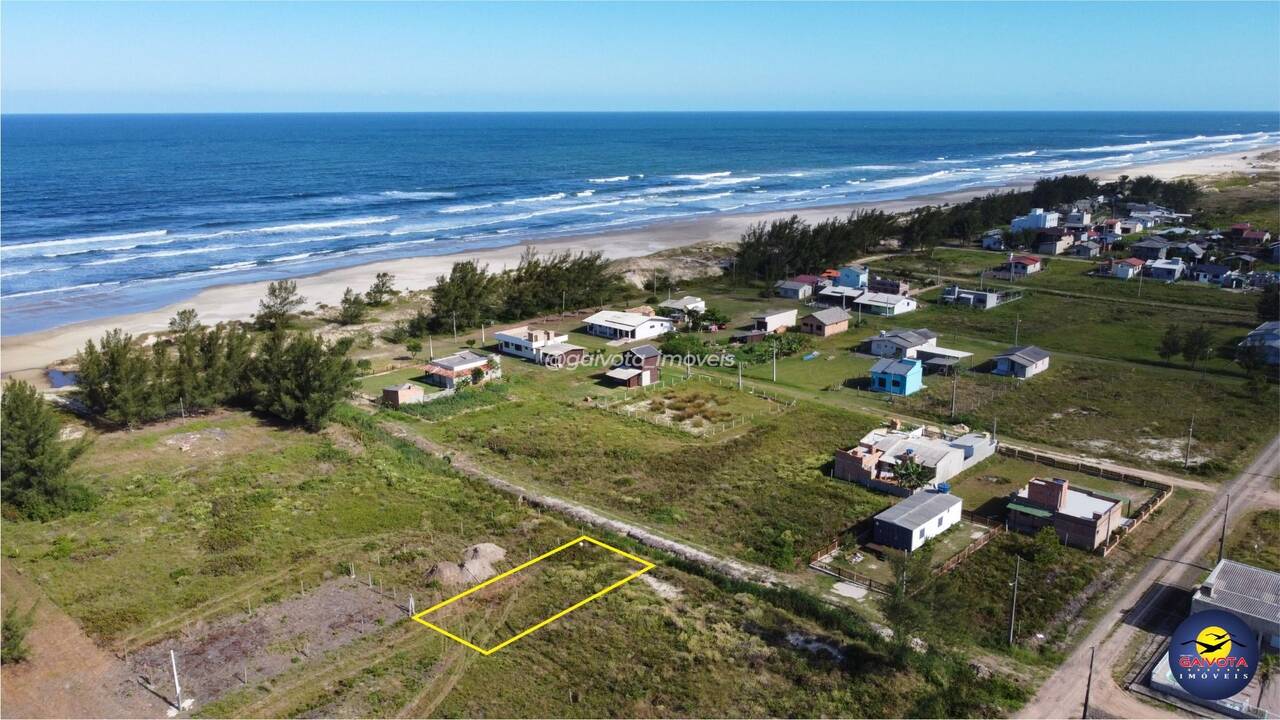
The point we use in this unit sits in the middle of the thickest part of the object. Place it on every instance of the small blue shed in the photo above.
(897, 376)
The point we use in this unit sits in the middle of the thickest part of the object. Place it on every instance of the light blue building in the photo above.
(853, 276)
(897, 376)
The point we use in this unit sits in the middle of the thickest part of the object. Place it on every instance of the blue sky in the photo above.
(143, 57)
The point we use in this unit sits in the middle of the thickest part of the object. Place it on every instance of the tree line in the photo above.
(471, 295)
(781, 248)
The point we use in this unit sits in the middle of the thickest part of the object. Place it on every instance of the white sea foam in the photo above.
(585, 193)
(302, 227)
(705, 176)
(614, 179)
(537, 199)
(416, 194)
(90, 240)
(452, 209)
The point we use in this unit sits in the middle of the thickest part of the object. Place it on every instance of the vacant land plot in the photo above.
(509, 607)
(1254, 539)
(697, 406)
(763, 495)
(200, 546)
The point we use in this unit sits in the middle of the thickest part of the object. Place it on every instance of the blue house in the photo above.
(897, 376)
(853, 276)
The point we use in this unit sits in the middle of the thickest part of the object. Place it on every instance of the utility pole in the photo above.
(1089, 683)
(1140, 282)
(739, 364)
(562, 300)
(955, 381)
(1186, 457)
(1222, 539)
(173, 662)
(431, 349)
(1013, 611)
(455, 325)
(775, 363)
(1017, 326)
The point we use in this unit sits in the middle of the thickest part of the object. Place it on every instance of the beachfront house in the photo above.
(773, 321)
(467, 367)
(1082, 518)
(876, 303)
(897, 376)
(1127, 268)
(1037, 219)
(874, 462)
(916, 519)
(825, 323)
(1021, 362)
(852, 276)
(1054, 241)
(545, 347)
(403, 394)
(679, 308)
(617, 325)
(793, 289)
(1167, 270)
(839, 296)
(638, 367)
(1264, 339)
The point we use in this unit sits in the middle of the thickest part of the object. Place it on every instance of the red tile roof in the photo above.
(1132, 261)
(1026, 260)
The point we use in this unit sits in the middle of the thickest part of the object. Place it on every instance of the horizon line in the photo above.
(1145, 111)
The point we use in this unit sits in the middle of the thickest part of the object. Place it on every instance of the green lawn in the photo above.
(372, 384)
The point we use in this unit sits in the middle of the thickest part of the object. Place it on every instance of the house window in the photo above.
(922, 533)
(880, 382)
(897, 383)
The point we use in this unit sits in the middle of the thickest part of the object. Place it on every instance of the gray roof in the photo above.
(907, 338)
(894, 366)
(1210, 268)
(1245, 590)
(791, 285)
(830, 316)
(459, 359)
(919, 509)
(1153, 242)
(1025, 354)
(644, 351)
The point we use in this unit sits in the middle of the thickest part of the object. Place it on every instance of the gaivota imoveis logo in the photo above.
(1213, 654)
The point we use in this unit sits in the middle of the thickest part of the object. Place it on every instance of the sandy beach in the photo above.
(38, 350)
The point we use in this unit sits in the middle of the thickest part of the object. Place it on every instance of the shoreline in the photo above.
(37, 350)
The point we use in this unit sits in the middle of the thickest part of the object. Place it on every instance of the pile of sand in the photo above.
(476, 566)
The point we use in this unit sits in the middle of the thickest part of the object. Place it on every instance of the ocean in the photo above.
(109, 214)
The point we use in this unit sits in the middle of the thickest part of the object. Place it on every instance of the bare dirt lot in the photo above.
(213, 658)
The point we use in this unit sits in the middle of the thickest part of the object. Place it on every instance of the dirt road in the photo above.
(67, 675)
(1062, 695)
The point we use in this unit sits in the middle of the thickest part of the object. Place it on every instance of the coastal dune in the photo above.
(37, 350)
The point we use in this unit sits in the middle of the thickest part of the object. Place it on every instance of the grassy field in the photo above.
(762, 494)
(1254, 539)
(202, 520)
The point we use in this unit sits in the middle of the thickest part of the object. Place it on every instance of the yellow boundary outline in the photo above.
(647, 566)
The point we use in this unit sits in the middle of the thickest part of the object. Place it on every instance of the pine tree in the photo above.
(33, 460)
(1170, 343)
(382, 289)
(282, 300)
(301, 379)
(352, 309)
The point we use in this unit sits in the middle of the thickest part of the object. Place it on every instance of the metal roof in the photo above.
(463, 359)
(1245, 590)
(894, 366)
(1025, 354)
(919, 509)
(830, 316)
(644, 351)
